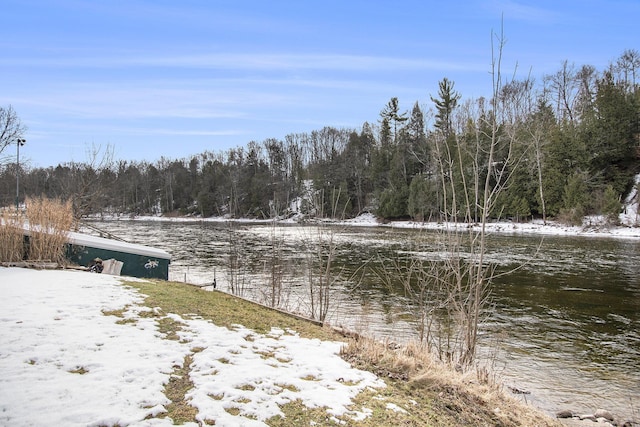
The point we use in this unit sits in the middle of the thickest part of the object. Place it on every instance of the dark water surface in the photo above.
(564, 327)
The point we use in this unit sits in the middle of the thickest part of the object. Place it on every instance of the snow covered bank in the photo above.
(64, 360)
(593, 226)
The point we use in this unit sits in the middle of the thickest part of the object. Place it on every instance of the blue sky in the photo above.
(160, 78)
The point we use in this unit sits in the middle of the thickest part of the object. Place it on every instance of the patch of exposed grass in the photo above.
(297, 414)
(126, 321)
(79, 370)
(246, 387)
(224, 310)
(169, 327)
(233, 410)
(117, 313)
(289, 387)
(120, 314)
(179, 384)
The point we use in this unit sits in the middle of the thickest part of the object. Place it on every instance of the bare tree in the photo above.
(628, 65)
(320, 262)
(86, 190)
(564, 88)
(275, 293)
(587, 78)
(11, 128)
(237, 274)
(322, 274)
(451, 291)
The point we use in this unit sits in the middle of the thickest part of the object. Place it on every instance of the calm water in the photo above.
(565, 327)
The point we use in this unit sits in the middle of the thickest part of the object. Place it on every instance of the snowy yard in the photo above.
(66, 359)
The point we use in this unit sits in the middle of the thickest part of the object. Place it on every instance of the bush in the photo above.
(571, 216)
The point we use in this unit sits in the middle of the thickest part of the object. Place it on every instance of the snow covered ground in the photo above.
(65, 361)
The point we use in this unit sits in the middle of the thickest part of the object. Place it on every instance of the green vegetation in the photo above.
(224, 309)
(419, 392)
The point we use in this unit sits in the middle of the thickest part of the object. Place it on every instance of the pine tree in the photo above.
(445, 105)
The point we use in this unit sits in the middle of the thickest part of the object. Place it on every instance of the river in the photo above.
(564, 327)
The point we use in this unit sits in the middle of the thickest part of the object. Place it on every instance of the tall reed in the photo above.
(11, 237)
(49, 222)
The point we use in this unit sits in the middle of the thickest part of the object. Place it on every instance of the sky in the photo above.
(147, 79)
(64, 362)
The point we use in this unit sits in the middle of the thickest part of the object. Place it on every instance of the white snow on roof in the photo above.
(65, 362)
(82, 239)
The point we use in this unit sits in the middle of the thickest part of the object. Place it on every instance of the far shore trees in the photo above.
(578, 121)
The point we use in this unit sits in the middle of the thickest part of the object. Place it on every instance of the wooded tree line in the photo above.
(569, 145)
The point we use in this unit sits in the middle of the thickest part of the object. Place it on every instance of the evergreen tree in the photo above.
(446, 103)
(391, 113)
(575, 199)
(611, 205)
(422, 202)
(611, 134)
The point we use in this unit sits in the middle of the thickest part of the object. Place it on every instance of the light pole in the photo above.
(19, 142)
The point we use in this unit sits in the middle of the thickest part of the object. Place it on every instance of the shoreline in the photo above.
(593, 226)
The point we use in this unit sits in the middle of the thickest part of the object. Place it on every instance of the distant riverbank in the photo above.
(593, 226)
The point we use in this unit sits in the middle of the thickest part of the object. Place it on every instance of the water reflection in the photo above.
(564, 326)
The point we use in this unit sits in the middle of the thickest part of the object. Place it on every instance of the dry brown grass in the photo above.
(179, 384)
(49, 222)
(11, 237)
(454, 398)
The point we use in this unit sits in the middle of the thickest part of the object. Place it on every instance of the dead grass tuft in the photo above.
(444, 395)
(49, 222)
(11, 237)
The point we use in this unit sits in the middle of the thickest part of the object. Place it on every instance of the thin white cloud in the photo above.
(246, 61)
(182, 132)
